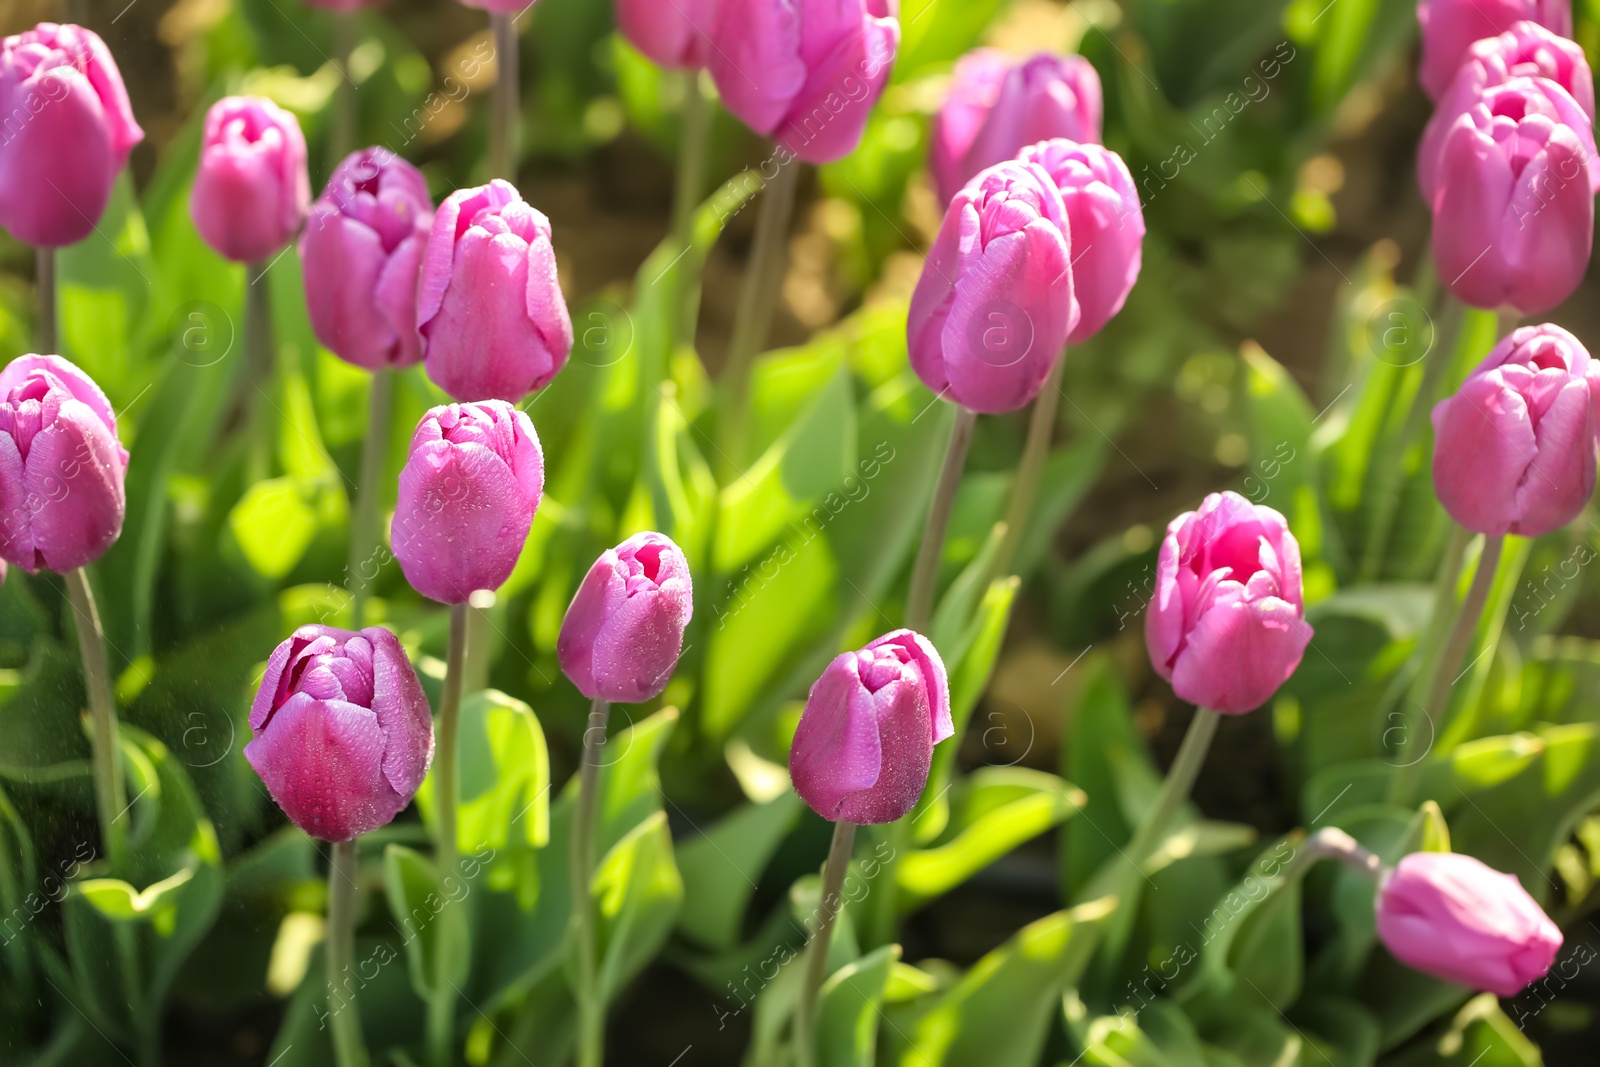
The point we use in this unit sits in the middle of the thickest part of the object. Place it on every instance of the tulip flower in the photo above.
(61, 466)
(362, 252)
(864, 745)
(489, 303)
(995, 303)
(252, 191)
(676, 34)
(1456, 918)
(997, 107)
(623, 632)
(470, 486)
(1516, 447)
(341, 731)
(1107, 225)
(68, 129)
(1450, 27)
(805, 72)
(1226, 625)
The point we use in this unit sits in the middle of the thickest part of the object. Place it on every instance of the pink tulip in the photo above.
(624, 630)
(1107, 225)
(468, 492)
(252, 191)
(674, 33)
(342, 735)
(1458, 919)
(489, 303)
(1450, 27)
(66, 132)
(995, 303)
(805, 72)
(865, 741)
(1227, 623)
(361, 254)
(61, 466)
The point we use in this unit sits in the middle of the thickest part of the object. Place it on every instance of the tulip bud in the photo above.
(1450, 27)
(1226, 625)
(995, 303)
(1458, 919)
(624, 629)
(61, 466)
(251, 192)
(468, 492)
(805, 72)
(1513, 209)
(489, 305)
(361, 253)
(997, 108)
(1515, 448)
(677, 35)
(865, 741)
(342, 735)
(1107, 226)
(67, 132)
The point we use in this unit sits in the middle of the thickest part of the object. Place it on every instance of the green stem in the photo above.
(369, 491)
(591, 1008)
(441, 1012)
(260, 344)
(925, 573)
(1464, 626)
(805, 1020)
(505, 105)
(1030, 470)
(342, 135)
(343, 1015)
(1176, 787)
(479, 605)
(691, 179)
(109, 792)
(45, 283)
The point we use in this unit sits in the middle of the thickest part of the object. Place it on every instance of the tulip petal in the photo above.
(1486, 444)
(465, 524)
(401, 708)
(75, 467)
(838, 752)
(320, 761)
(1239, 653)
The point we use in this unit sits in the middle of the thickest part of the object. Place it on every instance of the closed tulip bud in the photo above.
(1451, 27)
(489, 304)
(865, 741)
(361, 253)
(997, 108)
(1515, 448)
(805, 72)
(1513, 210)
(341, 732)
(61, 466)
(68, 131)
(995, 303)
(1107, 224)
(1456, 918)
(252, 191)
(676, 34)
(624, 629)
(468, 492)
(1226, 625)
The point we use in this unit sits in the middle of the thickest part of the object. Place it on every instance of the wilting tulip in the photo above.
(676, 34)
(1107, 225)
(251, 192)
(805, 72)
(61, 466)
(995, 303)
(489, 304)
(624, 629)
(342, 735)
(865, 741)
(1513, 210)
(1450, 27)
(468, 492)
(1227, 623)
(67, 132)
(1461, 920)
(997, 108)
(361, 253)
(1515, 448)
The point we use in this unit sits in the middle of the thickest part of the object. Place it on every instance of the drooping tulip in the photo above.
(67, 131)
(674, 33)
(489, 306)
(995, 303)
(252, 192)
(805, 72)
(361, 254)
(341, 731)
(61, 466)
(1226, 625)
(1450, 27)
(865, 741)
(473, 480)
(623, 632)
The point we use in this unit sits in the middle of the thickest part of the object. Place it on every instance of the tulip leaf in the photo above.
(721, 866)
(638, 892)
(1102, 745)
(274, 524)
(1480, 1034)
(17, 897)
(121, 902)
(430, 915)
(850, 1004)
(1159, 1034)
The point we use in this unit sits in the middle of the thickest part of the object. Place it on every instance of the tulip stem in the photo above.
(259, 351)
(689, 188)
(45, 282)
(591, 1008)
(504, 105)
(109, 792)
(1464, 625)
(343, 1016)
(441, 1012)
(364, 537)
(1030, 470)
(342, 135)
(805, 1021)
(925, 573)
(1176, 787)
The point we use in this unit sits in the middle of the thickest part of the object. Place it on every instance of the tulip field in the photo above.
(799, 533)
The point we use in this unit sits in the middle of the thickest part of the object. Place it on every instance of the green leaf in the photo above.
(721, 866)
(431, 921)
(1480, 1035)
(274, 524)
(850, 1004)
(1102, 745)
(120, 902)
(638, 892)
